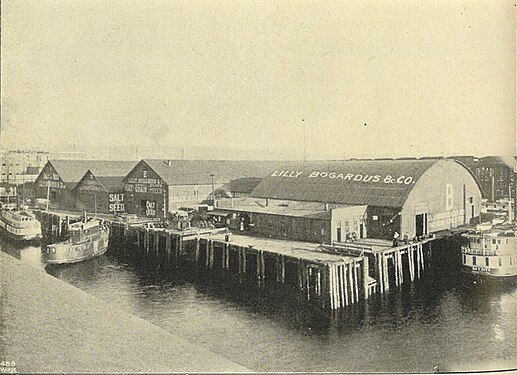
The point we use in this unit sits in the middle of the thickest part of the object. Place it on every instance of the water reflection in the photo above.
(445, 319)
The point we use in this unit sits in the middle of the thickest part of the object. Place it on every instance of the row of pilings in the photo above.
(333, 283)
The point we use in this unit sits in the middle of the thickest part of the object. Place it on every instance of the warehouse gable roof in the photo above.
(71, 171)
(193, 172)
(357, 182)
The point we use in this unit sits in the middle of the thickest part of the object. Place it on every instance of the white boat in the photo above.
(87, 239)
(19, 224)
(491, 252)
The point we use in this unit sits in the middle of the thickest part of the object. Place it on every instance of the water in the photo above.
(443, 320)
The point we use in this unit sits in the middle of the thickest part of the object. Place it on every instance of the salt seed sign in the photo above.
(116, 202)
(387, 179)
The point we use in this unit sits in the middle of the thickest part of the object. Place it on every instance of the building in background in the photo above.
(21, 166)
(238, 188)
(59, 179)
(155, 186)
(495, 174)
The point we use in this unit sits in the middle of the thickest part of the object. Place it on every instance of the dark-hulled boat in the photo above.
(87, 239)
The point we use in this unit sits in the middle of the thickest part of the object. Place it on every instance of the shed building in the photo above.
(61, 177)
(412, 197)
(293, 220)
(155, 187)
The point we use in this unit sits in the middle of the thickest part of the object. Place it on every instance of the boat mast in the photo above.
(510, 203)
(8, 189)
(48, 194)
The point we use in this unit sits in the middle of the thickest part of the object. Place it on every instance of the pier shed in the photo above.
(410, 196)
(155, 187)
(294, 220)
(60, 177)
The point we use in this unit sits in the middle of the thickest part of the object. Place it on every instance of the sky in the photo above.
(260, 80)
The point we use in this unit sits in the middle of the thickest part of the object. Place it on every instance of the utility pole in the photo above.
(213, 189)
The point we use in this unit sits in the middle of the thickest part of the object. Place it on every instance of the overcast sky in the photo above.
(365, 78)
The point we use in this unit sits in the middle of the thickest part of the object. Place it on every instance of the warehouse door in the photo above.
(421, 224)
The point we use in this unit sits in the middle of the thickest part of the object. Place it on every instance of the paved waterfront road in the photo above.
(47, 325)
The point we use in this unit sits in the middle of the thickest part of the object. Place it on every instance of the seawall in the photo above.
(47, 325)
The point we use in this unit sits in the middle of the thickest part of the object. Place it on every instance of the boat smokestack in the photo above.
(85, 217)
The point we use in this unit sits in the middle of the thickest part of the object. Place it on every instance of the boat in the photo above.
(86, 239)
(19, 223)
(491, 250)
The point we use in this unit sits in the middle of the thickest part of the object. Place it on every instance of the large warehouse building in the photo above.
(412, 197)
(156, 187)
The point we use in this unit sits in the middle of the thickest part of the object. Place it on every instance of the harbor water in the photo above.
(443, 321)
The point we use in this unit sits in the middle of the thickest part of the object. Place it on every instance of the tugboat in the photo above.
(87, 239)
(19, 223)
(491, 250)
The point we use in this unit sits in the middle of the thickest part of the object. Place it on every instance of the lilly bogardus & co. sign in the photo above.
(387, 179)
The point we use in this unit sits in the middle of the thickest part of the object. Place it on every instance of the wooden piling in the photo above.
(385, 281)
(364, 264)
(380, 278)
(207, 251)
(400, 267)
(168, 247)
(356, 283)
(331, 283)
(411, 263)
(197, 251)
(417, 259)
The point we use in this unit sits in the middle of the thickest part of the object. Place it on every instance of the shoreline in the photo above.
(48, 325)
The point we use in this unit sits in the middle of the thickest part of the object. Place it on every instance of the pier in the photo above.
(332, 276)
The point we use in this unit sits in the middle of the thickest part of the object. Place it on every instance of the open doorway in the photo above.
(421, 225)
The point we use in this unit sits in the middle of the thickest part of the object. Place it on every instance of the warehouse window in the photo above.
(487, 262)
(449, 204)
(473, 261)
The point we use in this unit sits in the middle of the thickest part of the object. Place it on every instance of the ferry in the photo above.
(19, 224)
(491, 250)
(87, 239)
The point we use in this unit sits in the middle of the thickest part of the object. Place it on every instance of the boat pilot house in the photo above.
(334, 201)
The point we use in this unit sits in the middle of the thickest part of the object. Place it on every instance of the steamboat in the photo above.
(19, 224)
(491, 250)
(86, 239)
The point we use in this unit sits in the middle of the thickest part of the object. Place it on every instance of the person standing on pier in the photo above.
(396, 236)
